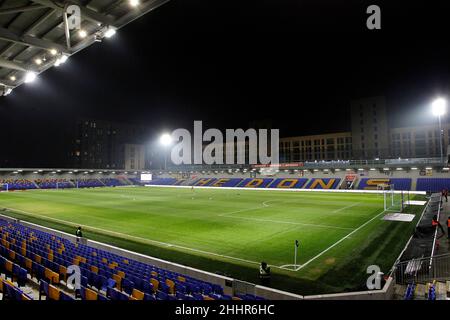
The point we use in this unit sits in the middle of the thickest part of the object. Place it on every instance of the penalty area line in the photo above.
(336, 243)
(127, 236)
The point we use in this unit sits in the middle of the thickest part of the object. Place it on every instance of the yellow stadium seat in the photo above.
(94, 269)
(171, 286)
(53, 293)
(8, 266)
(91, 294)
(53, 277)
(121, 274)
(28, 264)
(63, 272)
(138, 295)
(25, 298)
(118, 281)
(155, 284)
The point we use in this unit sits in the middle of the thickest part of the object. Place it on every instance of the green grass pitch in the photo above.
(231, 231)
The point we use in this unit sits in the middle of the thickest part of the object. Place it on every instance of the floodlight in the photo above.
(30, 77)
(82, 33)
(439, 107)
(110, 32)
(53, 52)
(12, 78)
(134, 3)
(166, 139)
(38, 61)
(61, 60)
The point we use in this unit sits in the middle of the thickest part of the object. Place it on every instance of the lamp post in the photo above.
(165, 140)
(439, 108)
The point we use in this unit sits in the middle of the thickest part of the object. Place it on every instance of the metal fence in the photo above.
(423, 270)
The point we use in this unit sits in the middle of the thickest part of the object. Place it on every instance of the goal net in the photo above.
(395, 200)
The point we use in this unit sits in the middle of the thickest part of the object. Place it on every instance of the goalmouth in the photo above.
(394, 200)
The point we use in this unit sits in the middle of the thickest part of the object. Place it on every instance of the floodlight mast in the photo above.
(165, 140)
(439, 108)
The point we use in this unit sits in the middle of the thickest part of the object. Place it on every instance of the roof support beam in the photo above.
(21, 9)
(4, 63)
(86, 13)
(26, 40)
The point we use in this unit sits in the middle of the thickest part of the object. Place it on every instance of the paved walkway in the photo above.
(444, 241)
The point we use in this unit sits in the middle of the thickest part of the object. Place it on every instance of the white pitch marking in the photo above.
(288, 222)
(339, 241)
(347, 207)
(122, 235)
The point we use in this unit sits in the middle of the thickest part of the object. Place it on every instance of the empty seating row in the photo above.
(385, 183)
(280, 183)
(48, 258)
(23, 184)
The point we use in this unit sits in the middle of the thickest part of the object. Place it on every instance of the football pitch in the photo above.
(232, 231)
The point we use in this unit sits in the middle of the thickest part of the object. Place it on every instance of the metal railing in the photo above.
(423, 270)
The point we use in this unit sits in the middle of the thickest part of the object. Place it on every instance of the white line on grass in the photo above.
(122, 235)
(265, 205)
(339, 241)
(347, 207)
(288, 222)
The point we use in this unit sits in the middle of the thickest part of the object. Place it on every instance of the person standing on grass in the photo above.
(446, 195)
(78, 234)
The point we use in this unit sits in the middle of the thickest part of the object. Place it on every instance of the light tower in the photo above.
(165, 140)
(439, 108)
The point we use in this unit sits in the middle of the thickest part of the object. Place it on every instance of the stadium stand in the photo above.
(432, 184)
(406, 184)
(53, 183)
(112, 182)
(326, 183)
(373, 183)
(28, 253)
(18, 184)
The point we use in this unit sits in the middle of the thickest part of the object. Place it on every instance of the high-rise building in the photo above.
(103, 145)
(369, 128)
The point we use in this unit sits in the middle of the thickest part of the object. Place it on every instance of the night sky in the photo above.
(229, 63)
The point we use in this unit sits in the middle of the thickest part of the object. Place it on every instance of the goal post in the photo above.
(394, 200)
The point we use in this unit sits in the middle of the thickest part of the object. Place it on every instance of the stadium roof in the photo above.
(35, 35)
